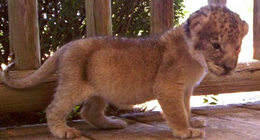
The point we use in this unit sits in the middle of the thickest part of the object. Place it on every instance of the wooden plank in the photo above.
(221, 129)
(217, 128)
(253, 106)
(231, 113)
(38, 131)
(43, 136)
(224, 2)
(247, 78)
(24, 33)
(98, 15)
(256, 29)
(161, 18)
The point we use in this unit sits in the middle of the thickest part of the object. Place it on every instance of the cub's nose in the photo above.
(229, 67)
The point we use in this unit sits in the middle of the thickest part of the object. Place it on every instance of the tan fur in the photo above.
(100, 70)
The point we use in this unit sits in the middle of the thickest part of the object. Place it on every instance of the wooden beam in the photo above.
(256, 29)
(162, 15)
(35, 98)
(98, 15)
(247, 78)
(224, 2)
(24, 33)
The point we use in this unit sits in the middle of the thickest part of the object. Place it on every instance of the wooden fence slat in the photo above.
(224, 2)
(98, 18)
(24, 33)
(37, 98)
(162, 15)
(256, 29)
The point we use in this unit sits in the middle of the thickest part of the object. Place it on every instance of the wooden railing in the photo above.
(24, 38)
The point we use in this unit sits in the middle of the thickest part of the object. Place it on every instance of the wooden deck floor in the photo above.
(234, 122)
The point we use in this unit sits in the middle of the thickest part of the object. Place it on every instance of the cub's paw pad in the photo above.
(67, 133)
(189, 133)
(197, 123)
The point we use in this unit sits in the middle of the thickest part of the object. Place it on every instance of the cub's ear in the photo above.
(196, 22)
(244, 28)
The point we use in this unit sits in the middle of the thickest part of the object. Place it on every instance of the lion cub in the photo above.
(100, 70)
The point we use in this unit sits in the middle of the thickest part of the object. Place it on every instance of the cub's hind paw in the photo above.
(197, 123)
(108, 123)
(116, 124)
(189, 133)
(66, 133)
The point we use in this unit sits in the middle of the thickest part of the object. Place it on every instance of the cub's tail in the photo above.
(45, 71)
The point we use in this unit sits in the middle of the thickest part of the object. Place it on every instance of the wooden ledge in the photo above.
(236, 122)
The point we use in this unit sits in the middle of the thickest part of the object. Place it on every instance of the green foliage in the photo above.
(178, 11)
(61, 21)
(210, 100)
(75, 113)
(130, 18)
(4, 31)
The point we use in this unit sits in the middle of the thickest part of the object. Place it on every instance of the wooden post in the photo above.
(98, 15)
(162, 14)
(256, 29)
(24, 33)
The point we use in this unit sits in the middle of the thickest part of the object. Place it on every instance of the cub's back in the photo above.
(123, 66)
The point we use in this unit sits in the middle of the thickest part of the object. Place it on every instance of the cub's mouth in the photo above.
(219, 70)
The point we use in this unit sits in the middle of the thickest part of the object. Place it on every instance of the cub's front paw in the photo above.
(189, 133)
(197, 123)
(66, 133)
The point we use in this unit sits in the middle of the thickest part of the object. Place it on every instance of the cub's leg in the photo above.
(171, 99)
(194, 122)
(73, 88)
(93, 113)
(63, 103)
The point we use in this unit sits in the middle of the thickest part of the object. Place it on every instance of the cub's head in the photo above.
(216, 33)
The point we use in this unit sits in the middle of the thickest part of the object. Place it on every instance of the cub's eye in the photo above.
(216, 46)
